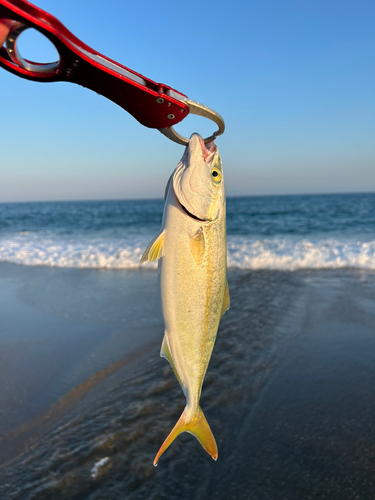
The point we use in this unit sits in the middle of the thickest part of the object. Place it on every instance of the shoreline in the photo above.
(288, 389)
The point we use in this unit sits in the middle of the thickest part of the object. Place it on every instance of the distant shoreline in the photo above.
(267, 195)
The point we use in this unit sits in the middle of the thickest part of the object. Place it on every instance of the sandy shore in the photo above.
(58, 327)
(289, 393)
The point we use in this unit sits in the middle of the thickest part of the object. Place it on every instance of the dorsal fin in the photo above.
(167, 187)
(226, 300)
(155, 249)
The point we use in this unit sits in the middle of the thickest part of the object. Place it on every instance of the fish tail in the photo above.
(195, 424)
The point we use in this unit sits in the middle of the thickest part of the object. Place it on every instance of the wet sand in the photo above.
(289, 393)
(58, 327)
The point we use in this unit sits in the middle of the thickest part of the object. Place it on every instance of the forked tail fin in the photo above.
(197, 425)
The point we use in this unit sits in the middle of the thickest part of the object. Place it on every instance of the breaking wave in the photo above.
(33, 249)
(292, 254)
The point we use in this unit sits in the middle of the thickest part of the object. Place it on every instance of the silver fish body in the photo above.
(193, 278)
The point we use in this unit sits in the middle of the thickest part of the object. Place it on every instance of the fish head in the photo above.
(198, 180)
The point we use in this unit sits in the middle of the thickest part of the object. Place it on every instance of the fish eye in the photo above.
(216, 175)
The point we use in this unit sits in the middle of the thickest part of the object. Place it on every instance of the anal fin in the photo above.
(166, 354)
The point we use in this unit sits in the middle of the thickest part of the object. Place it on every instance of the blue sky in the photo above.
(294, 81)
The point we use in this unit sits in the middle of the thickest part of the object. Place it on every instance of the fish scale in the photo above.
(193, 278)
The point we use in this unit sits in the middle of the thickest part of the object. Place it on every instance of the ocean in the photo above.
(86, 400)
(264, 232)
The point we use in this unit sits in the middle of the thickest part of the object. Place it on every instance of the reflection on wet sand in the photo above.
(15, 441)
(60, 326)
(288, 394)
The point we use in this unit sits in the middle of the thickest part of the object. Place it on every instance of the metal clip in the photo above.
(195, 108)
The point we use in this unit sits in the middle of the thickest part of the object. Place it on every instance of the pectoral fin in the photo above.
(155, 249)
(226, 301)
(197, 246)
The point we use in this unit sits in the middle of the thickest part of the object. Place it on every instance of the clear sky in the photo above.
(294, 80)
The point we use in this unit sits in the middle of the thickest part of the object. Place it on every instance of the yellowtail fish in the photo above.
(193, 278)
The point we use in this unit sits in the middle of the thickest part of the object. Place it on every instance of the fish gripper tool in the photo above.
(154, 105)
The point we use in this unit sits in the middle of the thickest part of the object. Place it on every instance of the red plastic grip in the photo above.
(149, 102)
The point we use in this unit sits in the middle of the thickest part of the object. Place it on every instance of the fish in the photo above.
(192, 253)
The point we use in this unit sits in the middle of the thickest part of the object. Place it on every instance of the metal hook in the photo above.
(195, 108)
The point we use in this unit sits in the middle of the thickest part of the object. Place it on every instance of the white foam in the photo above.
(95, 470)
(292, 254)
(36, 250)
(33, 249)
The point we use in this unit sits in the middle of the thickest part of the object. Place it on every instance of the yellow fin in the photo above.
(155, 249)
(226, 301)
(197, 246)
(166, 354)
(197, 425)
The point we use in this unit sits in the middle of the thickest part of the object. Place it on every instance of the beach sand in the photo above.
(289, 393)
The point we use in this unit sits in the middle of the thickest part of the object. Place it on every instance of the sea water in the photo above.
(264, 232)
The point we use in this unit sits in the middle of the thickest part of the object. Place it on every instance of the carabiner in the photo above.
(154, 105)
(196, 108)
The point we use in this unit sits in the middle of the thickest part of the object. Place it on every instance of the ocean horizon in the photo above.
(285, 232)
(87, 400)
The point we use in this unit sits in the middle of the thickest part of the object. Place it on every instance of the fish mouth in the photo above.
(207, 150)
